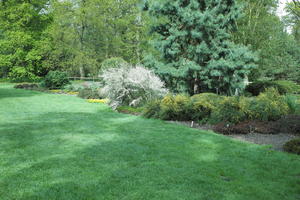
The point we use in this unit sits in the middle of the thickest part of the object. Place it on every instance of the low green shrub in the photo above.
(203, 105)
(90, 93)
(211, 108)
(269, 106)
(56, 80)
(231, 110)
(152, 109)
(293, 146)
(171, 107)
(177, 107)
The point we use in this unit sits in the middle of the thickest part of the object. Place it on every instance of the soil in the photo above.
(276, 141)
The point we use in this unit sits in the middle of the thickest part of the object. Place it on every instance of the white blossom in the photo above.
(127, 85)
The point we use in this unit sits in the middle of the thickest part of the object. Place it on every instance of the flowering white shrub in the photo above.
(132, 86)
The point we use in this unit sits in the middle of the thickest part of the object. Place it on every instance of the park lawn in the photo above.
(61, 147)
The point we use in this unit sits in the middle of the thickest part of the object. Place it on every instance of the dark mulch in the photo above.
(275, 140)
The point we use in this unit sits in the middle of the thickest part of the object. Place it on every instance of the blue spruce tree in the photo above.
(193, 40)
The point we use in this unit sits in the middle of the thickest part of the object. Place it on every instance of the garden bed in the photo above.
(275, 140)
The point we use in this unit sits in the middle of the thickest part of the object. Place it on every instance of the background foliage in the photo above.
(195, 46)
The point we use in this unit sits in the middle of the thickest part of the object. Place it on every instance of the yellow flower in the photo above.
(97, 100)
(55, 91)
(72, 93)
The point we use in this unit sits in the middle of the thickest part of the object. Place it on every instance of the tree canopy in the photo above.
(193, 45)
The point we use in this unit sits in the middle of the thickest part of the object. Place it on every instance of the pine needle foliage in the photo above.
(196, 53)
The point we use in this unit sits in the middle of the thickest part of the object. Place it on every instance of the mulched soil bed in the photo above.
(276, 140)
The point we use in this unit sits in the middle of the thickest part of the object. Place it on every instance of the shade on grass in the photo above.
(61, 147)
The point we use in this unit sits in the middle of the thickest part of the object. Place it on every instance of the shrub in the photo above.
(152, 109)
(28, 86)
(231, 110)
(114, 62)
(20, 74)
(203, 105)
(56, 80)
(206, 107)
(177, 107)
(269, 106)
(293, 146)
(131, 86)
(90, 93)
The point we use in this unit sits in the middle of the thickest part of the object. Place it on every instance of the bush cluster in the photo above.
(232, 110)
(203, 105)
(206, 107)
(269, 106)
(182, 107)
(56, 80)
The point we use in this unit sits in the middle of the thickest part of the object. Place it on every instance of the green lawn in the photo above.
(61, 147)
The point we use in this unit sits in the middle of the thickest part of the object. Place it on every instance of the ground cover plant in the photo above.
(61, 147)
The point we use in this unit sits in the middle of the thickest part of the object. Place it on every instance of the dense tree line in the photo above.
(192, 45)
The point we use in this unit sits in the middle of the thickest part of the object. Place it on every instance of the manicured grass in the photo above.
(61, 147)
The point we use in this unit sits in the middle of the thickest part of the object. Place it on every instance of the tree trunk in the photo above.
(196, 86)
(81, 71)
